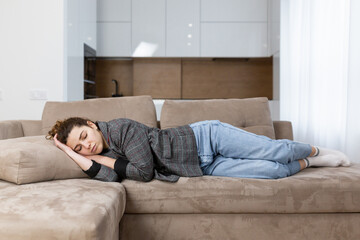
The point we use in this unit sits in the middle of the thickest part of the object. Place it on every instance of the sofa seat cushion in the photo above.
(251, 114)
(5, 184)
(314, 190)
(61, 209)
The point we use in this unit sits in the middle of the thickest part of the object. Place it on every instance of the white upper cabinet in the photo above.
(234, 10)
(186, 28)
(114, 28)
(233, 39)
(148, 28)
(114, 39)
(88, 22)
(114, 11)
(183, 28)
(274, 26)
(234, 28)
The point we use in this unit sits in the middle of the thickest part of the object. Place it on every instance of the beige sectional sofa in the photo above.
(44, 195)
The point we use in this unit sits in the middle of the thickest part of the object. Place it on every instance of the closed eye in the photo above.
(78, 147)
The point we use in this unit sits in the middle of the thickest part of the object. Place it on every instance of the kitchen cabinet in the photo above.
(148, 28)
(274, 27)
(113, 28)
(233, 39)
(87, 22)
(234, 28)
(80, 18)
(88, 34)
(183, 28)
(114, 39)
(234, 10)
(160, 78)
(114, 11)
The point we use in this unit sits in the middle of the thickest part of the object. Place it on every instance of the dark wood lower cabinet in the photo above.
(160, 78)
(187, 78)
(227, 78)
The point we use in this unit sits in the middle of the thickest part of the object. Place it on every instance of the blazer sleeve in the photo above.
(101, 172)
(140, 165)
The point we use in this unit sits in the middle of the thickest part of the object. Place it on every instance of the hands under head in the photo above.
(66, 148)
(79, 158)
(60, 145)
(84, 137)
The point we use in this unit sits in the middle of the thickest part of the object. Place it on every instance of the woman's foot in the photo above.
(329, 158)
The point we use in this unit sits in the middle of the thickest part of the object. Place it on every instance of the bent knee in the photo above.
(280, 171)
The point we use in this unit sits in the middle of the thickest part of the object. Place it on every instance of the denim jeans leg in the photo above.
(244, 168)
(232, 142)
(202, 132)
(215, 138)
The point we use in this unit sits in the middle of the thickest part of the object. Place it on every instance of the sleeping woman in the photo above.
(125, 149)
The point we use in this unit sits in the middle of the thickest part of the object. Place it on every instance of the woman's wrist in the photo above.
(68, 150)
(103, 160)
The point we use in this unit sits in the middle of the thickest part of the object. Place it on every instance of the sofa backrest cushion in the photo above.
(35, 159)
(252, 114)
(139, 108)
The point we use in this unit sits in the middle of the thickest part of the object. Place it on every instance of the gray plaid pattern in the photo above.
(151, 152)
(106, 174)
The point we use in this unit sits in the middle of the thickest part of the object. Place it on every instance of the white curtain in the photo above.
(314, 70)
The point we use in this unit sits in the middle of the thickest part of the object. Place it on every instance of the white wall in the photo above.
(42, 49)
(353, 127)
(31, 56)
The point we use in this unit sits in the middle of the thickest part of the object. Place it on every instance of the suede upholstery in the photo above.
(314, 190)
(317, 203)
(19, 128)
(252, 114)
(35, 159)
(283, 130)
(61, 209)
(10, 129)
(140, 108)
(31, 127)
(335, 226)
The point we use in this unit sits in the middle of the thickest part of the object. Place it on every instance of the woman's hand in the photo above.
(80, 160)
(61, 145)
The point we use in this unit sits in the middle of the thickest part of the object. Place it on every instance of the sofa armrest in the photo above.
(31, 127)
(11, 129)
(283, 130)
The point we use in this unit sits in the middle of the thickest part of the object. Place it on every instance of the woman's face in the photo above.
(86, 140)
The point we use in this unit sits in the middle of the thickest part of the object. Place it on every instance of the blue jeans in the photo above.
(225, 150)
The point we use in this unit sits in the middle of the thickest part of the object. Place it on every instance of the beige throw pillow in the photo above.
(35, 159)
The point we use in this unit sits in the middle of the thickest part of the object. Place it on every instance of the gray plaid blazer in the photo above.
(152, 153)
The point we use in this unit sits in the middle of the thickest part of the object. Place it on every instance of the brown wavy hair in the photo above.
(63, 128)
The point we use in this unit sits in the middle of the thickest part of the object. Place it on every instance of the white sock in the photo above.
(345, 161)
(317, 152)
(328, 158)
(307, 163)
